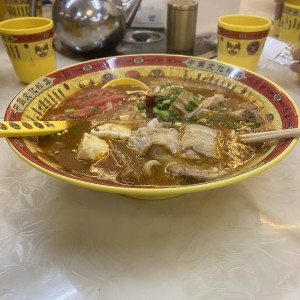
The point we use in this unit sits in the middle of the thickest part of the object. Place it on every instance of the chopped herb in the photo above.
(69, 110)
(190, 106)
(141, 105)
(249, 124)
(165, 104)
(164, 115)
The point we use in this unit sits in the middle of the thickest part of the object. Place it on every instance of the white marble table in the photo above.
(59, 241)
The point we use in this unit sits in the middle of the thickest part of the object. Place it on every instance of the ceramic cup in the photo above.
(241, 39)
(289, 27)
(29, 44)
(2, 10)
(20, 8)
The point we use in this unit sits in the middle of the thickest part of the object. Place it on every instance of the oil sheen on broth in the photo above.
(169, 136)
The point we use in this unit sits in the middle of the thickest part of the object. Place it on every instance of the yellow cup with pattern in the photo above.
(289, 27)
(241, 39)
(29, 44)
(2, 10)
(20, 8)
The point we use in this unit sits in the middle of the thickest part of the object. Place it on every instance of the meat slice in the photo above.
(111, 131)
(92, 148)
(128, 173)
(143, 138)
(183, 99)
(95, 96)
(245, 114)
(194, 172)
(88, 102)
(209, 104)
(198, 139)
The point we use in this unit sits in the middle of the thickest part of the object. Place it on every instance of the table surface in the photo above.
(59, 241)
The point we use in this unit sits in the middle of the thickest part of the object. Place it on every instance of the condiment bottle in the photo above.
(181, 25)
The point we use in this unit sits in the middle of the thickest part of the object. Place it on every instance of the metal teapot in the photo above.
(90, 26)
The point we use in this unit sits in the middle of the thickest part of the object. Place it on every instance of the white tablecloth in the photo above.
(59, 241)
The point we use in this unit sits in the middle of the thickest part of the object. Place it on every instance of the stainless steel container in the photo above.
(181, 25)
(90, 27)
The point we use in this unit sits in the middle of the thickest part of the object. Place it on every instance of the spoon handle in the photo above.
(30, 128)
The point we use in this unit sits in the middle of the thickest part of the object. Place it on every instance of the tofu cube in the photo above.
(92, 148)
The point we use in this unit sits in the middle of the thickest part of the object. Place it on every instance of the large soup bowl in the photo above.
(35, 99)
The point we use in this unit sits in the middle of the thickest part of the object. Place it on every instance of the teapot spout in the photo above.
(130, 8)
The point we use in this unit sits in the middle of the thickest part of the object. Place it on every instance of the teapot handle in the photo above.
(32, 8)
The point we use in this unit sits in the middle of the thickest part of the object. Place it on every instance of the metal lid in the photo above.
(183, 5)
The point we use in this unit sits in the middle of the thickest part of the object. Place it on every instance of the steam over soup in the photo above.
(169, 135)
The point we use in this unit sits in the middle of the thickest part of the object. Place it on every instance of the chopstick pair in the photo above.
(270, 135)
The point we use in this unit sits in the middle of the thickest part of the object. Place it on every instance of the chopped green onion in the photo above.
(162, 114)
(69, 110)
(250, 124)
(165, 104)
(141, 105)
(190, 106)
